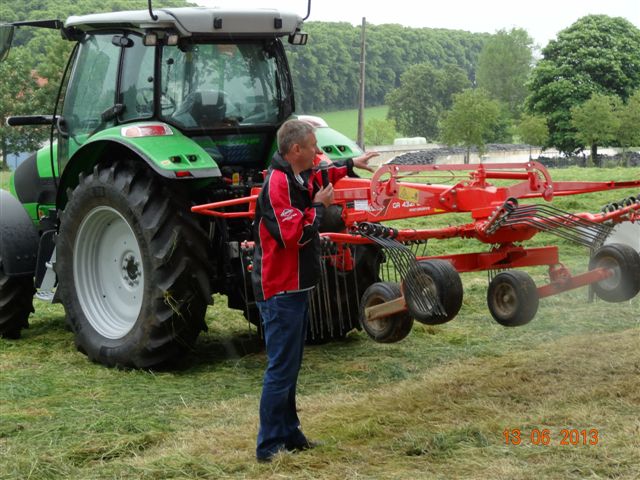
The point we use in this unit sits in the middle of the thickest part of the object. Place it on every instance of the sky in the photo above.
(543, 19)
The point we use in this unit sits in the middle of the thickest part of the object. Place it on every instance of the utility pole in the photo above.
(360, 140)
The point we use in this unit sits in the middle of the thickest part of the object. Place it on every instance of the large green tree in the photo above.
(628, 133)
(18, 97)
(472, 121)
(597, 54)
(596, 122)
(533, 130)
(504, 66)
(425, 92)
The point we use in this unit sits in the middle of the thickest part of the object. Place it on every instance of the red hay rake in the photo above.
(428, 288)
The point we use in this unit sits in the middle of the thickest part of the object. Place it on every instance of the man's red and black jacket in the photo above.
(285, 228)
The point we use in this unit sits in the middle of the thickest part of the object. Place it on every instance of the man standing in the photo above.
(286, 265)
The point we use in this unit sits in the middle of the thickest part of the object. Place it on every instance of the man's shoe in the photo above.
(268, 457)
(304, 445)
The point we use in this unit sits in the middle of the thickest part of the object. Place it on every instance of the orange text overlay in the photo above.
(543, 436)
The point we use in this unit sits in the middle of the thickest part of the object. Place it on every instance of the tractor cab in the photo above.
(219, 77)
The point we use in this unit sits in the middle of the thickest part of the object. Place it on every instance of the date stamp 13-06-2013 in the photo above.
(569, 437)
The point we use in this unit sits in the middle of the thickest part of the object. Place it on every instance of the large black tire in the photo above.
(444, 283)
(16, 303)
(625, 263)
(513, 298)
(389, 329)
(132, 267)
(334, 303)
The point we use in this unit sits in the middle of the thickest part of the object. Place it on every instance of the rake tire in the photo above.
(513, 298)
(445, 284)
(389, 329)
(625, 263)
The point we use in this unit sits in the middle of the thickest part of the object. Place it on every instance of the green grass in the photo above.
(346, 121)
(432, 406)
(4, 179)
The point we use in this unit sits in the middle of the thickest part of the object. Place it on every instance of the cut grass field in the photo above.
(434, 405)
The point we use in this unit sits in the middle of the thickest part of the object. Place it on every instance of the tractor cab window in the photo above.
(137, 80)
(221, 85)
(92, 87)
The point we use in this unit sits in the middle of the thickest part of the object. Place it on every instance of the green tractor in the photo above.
(159, 111)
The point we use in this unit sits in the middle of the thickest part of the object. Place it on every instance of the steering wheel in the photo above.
(144, 102)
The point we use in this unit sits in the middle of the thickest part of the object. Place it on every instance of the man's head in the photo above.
(297, 144)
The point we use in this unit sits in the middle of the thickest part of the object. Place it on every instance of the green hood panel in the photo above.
(336, 145)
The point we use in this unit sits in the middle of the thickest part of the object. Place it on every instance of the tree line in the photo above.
(446, 85)
(326, 70)
(583, 92)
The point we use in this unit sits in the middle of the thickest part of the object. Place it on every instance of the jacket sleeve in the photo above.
(334, 172)
(290, 226)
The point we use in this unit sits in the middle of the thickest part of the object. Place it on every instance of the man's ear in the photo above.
(295, 148)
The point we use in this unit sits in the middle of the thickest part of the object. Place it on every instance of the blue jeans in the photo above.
(284, 320)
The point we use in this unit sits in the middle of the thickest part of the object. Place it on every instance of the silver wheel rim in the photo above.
(506, 300)
(612, 282)
(108, 272)
(378, 325)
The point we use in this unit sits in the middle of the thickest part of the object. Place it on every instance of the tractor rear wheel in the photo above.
(16, 303)
(389, 329)
(624, 261)
(132, 268)
(513, 298)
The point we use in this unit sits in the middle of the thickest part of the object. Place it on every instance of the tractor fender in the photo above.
(166, 156)
(18, 237)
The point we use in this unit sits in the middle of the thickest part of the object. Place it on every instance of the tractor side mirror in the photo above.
(6, 36)
(298, 38)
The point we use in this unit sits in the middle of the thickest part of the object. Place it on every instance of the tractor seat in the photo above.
(206, 107)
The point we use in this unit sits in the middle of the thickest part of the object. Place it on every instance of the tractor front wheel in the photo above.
(131, 265)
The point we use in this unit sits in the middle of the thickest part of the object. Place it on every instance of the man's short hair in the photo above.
(292, 132)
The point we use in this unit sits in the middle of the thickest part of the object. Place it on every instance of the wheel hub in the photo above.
(506, 300)
(131, 270)
(108, 272)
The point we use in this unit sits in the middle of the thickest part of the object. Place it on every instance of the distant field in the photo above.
(346, 121)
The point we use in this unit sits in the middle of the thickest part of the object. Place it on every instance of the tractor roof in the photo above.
(195, 20)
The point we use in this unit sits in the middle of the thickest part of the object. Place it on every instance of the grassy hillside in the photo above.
(435, 405)
(346, 121)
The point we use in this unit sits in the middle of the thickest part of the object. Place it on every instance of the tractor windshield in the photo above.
(221, 85)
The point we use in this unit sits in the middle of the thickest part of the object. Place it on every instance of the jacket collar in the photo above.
(279, 163)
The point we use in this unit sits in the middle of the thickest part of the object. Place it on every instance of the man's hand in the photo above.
(363, 161)
(324, 195)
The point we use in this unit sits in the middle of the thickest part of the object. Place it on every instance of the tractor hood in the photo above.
(196, 20)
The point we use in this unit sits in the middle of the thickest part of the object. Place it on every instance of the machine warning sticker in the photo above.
(408, 194)
(361, 205)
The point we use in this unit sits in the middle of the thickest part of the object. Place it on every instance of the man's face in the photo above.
(308, 151)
